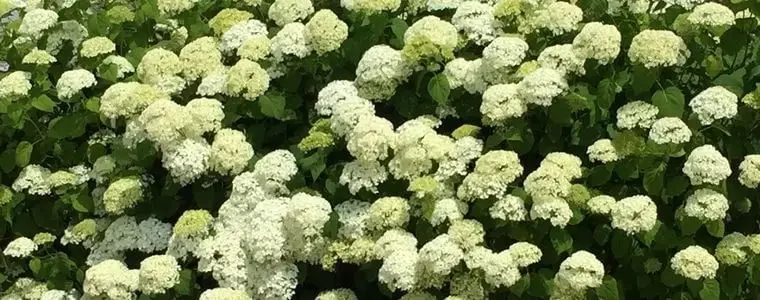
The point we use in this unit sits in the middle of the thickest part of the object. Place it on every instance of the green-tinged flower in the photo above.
(38, 57)
(43, 238)
(122, 194)
(120, 14)
(62, 178)
(193, 223)
(226, 18)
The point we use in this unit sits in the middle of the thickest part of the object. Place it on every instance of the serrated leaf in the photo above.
(438, 88)
(670, 102)
(23, 153)
(43, 103)
(608, 290)
(272, 105)
(710, 290)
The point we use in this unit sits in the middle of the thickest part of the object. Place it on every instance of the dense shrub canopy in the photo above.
(379, 149)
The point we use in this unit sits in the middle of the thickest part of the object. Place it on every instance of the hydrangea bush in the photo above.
(379, 149)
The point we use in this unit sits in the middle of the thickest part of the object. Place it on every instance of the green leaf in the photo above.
(710, 290)
(621, 244)
(605, 93)
(602, 234)
(23, 153)
(186, 282)
(608, 290)
(272, 105)
(670, 279)
(93, 104)
(561, 113)
(399, 27)
(83, 201)
(753, 268)
(43, 103)
(689, 225)
(438, 88)
(67, 126)
(520, 286)
(643, 79)
(676, 185)
(716, 228)
(670, 102)
(561, 240)
(35, 265)
(654, 181)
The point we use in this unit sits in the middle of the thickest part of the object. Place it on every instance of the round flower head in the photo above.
(158, 273)
(447, 209)
(239, 33)
(598, 41)
(122, 194)
(636, 114)
(44, 238)
(38, 57)
(333, 93)
(562, 58)
(255, 48)
(187, 160)
(387, 213)
(36, 21)
(20, 247)
(547, 181)
(502, 102)
(714, 103)
(174, 7)
(325, 31)
(524, 254)
(541, 86)
(380, 70)
(733, 249)
(96, 46)
(705, 164)
(686, 4)
(164, 122)
(399, 270)
(200, 57)
(128, 99)
(601, 204)
(477, 22)
(34, 179)
(500, 270)
(230, 152)
(353, 216)
(247, 78)
(207, 115)
(224, 294)
(466, 233)
(347, 114)
(570, 165)
(226, 18)
(493, 172)
(430, 38)
(286, 11)
(193, 223)
(290, 41)
(15, 84)
(749, 171)
(394, 240)
(581, 271)
(110, 279)
(706, 205)
(213, 84)
(602, 151)
(669, 130)
(557, 18)
(371, 138)
(120, 14)
(337, 294)
(658, 48)
(123, 66)
(509, 208)
(359, 174)
(714, 16)
(74, 81)
(440, 255)
(694, 263)
(499, 58)
(467, 74)
(157, 64)
(555, 210)
(634, 214)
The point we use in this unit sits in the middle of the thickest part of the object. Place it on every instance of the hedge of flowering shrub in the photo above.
(379, 149)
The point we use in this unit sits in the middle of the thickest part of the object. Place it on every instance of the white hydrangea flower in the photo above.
(200, 58)
(541, 86)
(447, 209)
(36, 21)
(34, 179)
(570, 165)
(173, 7)
(440, 255)
(394, 240)
(713, 104)
(20, 247)
(233, 38)
(110, 279)
(290, 41)
(128, 99)
(558, 18)
(459, 157)
(158, 273)
(634, 214)
(213, 84)
(68, 30)
(636, 114)
(733, 249)
(705, 164)
(547, 182)
(347, 114)
(563, 59)
(602, 151)
(686, 4)
(15, 84)
(72, 294)
(286, 11)
(477, 22)
(694, 263)
(230, 152)
(38, 57)
(165, 122)
(430, 38)
(187, 160)
(706, 205)
(555, 210)
(123, 66)
(333, 93)
(493, 173)
(371, 7)
(73, 81)
(157, 65)
(502, 102)
(598, 41)
(509, 208)
(500, 269)
(224, 294)
(669, 130)
(380, 70)
(247, 78)
(255, 48)
(371, 138)
(353, 216)
(274, 170)
(658, 48)
(207, 115)
(337, 294)
(580, 271)
(601, 204)
(325, 31)
(524, 254)
(95, 46)
(712, 14)
(467, 74)
(499, 58)
(399, 270)
(387, 213)
(466, 233)
(749, 171)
